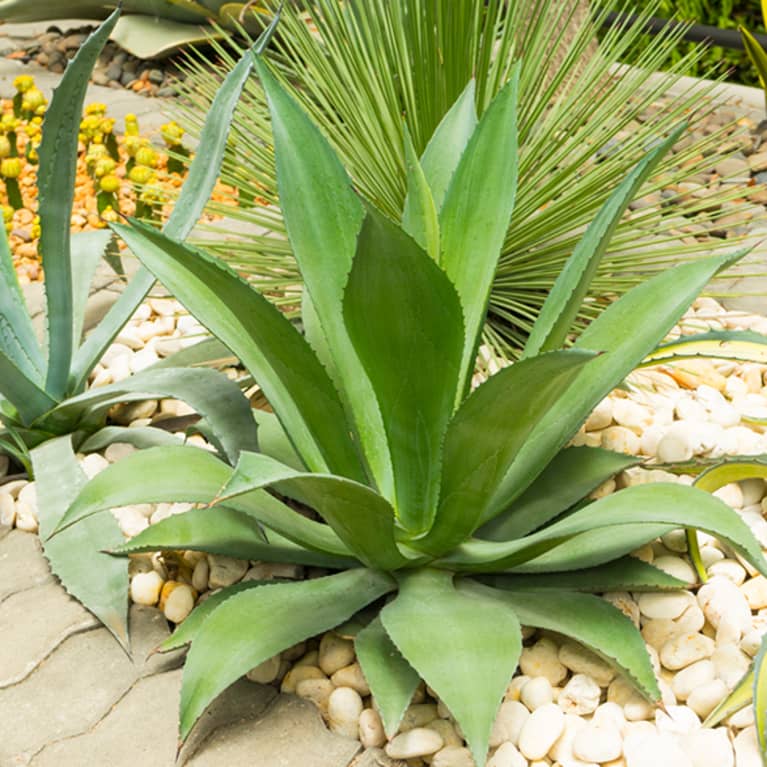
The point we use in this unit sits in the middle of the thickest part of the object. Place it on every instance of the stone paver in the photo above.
(70, 696)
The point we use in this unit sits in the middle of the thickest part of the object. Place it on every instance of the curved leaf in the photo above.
(587, 619)
(625, 574)
(87, 249)
(361, 518)
(744, 345)
(77, 556)
(323, 217)
(278, 357)
(150, 38)
(571, 475)
(464, 646)
(419, 218)
(252, 626)
(404, 318)
(22, 392)
(141, 437)
(392, 680)
(486, 433)
(55, 184)
(660, 301)
(485, 183)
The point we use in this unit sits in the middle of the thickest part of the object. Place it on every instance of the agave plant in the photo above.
(756, 52)
(42, 386)
(441, 512)
(360, 67)
(150, 28)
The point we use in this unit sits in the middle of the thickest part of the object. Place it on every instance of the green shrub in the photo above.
(436, 509)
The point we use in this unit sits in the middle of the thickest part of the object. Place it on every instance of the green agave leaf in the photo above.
(23, 392)
(187, 631)
(17, 336)
(323, 216)
(361, 518)
(209, 352)
(282, 362)
(486, 433)
(167, 474)
(392, 680)
(148, 37)
(274, 442)
(252, 626)
(76, 557)
(55, 183)
(741, 695)
(760, 698)
(201, 178)
(587, 619)
(657, 505)
(404, 318)
(625, 574)
(140, 437)
(484, 183)
(756, 53)
(743, 345)
(448, 143)
(210, 393)
(86, 250)
(565, 299)
(660, 301)
(463, 646)
(570, 476)
(419, 218)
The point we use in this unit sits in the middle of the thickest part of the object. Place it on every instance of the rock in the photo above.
(298, 674)
(582, 661)
(601, 416)
(598, 743)
(130, 520)
(709, 748)
(7, 510)
(625, 603)
(705, 698)
(536, 693)
(620, 439)
(677, 567)
(747, 749)
(541, 731)
(351, 676)
(540, 660)
(335, 653)
(118, 450)
(371, 731)
(145, 588)
(654, 750)
(414, 743)
(562, 750)
(677, 444)
(224, 571)
(179, 603)
(447, 732)
(753, 489)
(344, 709)
(684, 649)
(635, 707)
(692, 677)
(452, 756)
(507, 755)
(93, 464)
(730, 569)
(418, 715)
(733, 169)
(201, 574)
(318, 691)
(741, 719)
(265, 672)
(676, 719)
(580, 695)
(755, 592)
(668, 605)
(731, 664)
(719, 597)
(508, 724)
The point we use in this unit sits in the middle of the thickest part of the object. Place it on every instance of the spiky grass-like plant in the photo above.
(360, 69)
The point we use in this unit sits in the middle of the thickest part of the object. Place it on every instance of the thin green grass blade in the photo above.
(392, 680)
(55, 183)
(252, 626)
(404, 318)
(463, 646)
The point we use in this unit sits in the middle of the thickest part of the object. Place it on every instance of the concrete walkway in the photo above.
(69, 696)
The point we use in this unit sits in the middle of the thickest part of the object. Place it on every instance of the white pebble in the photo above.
(371, 731)
(580, 695)
(682, 650)
(418, 742)
(676, 567)
(200, 574)
(719, 597)
(507, 755)
(344, 709)
(130, 520)
(598, 743)
(7, 510)
(145, 588)
(93, 464)
(265, 672)
(318, 691)
(179, 604)
(709, 748)
(620, 439)
(582, 661)
(676, 720)
(452, 756)
(731, 664)
(601, 417)
(730, 569)
(224, 571)
(705, 698)
(747, 749)
(508, 723)
(541, 731)
(351, 676)
(731, 494)
(118, 450)
(677, 444)
(536, 693)
(690, 678)
(753, 490)
(335, 653)
(755, 592)
(654, 750)
(668, 605)
(541, 660)
(562, 750)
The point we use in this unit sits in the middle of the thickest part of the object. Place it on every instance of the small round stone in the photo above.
(371, 731)
(580, 695)
(344, 709)
(661, 605)
(265, 672)
(179, 603)
(507, 755)
(541, 731)
(541, 660)
(335, 653)
(705, 698)
(536, 693)
(145, 588)
(598, 743)
(420, 741)
(685, 649)
(508, 723)
(452, 756)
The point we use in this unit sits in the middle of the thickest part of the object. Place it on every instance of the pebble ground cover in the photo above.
(566, 706)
